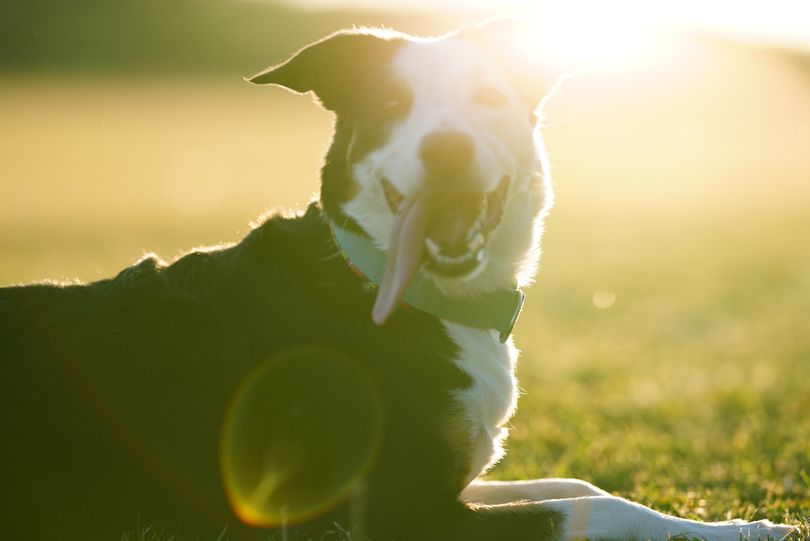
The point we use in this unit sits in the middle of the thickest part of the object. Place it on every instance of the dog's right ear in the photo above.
(333, 67)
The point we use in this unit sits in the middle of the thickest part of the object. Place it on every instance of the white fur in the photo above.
(591, 513)
(500, 492)
(492, 398)
(610, 517)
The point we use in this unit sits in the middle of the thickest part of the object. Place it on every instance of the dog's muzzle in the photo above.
(445, 227)
(460, 215)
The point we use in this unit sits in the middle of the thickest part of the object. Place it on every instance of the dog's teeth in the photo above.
(450, 260)
(475, 252)
(433, 248)
(477, 242)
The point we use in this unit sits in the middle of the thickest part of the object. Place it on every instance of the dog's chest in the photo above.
(490, 401)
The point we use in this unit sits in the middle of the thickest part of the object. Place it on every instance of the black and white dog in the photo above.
(348, 366)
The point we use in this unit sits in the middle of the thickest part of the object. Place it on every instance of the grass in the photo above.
(665, 344)
(688, 394)
(149, 533)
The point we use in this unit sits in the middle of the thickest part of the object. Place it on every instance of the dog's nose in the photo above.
(446, 153)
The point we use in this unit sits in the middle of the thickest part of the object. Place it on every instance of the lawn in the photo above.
(666, 343)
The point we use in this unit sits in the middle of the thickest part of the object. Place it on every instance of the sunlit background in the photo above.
(676, 271)
(127, 127)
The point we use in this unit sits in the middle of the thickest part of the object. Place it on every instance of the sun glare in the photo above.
(582, 33)
(626, 31)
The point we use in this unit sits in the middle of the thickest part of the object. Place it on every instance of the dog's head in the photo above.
(435, 157)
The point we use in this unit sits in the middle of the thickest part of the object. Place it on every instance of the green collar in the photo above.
(498, 310)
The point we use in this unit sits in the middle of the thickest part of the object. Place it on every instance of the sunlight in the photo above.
(577, 32)
(584, 32)
(595, 33)
(780, 22)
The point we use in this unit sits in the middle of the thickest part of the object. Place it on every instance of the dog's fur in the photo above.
(114, 393)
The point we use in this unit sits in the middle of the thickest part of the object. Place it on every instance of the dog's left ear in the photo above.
(333, 67)
(516, 47)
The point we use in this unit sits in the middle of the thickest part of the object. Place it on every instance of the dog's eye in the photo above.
(391, 105)
(490, 97)
(395, 102)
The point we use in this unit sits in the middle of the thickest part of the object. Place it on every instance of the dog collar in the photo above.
(498, 310)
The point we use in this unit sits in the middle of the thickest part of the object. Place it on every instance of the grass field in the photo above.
(666, 343)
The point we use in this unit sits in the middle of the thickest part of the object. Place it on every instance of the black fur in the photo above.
(110, 387)
(113, 393)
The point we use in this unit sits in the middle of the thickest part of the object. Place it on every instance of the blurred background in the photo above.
(667, 339)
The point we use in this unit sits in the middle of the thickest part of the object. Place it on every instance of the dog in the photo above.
(350, 367)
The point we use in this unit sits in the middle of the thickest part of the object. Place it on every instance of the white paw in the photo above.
(763, 530)
(737, 530)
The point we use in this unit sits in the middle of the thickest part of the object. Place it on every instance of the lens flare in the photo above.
(299, 436)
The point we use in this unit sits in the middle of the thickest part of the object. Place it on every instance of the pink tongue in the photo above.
(404, 258)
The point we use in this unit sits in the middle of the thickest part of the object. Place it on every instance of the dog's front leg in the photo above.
(610, 517)
(500, 492)
(589, 512)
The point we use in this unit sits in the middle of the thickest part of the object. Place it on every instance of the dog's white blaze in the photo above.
(491, 399)
(444, 77)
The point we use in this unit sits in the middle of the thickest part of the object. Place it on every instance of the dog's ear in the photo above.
(516, 47)
(334, 67)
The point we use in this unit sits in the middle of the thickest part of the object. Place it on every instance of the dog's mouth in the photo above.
(444, 230)
(455, 245)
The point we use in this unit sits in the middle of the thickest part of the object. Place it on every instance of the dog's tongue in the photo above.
(404, 258)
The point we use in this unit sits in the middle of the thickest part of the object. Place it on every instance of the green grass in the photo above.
(689, 393)
(149, 533)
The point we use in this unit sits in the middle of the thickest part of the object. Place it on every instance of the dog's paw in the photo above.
(765, 530)
(741, 530)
